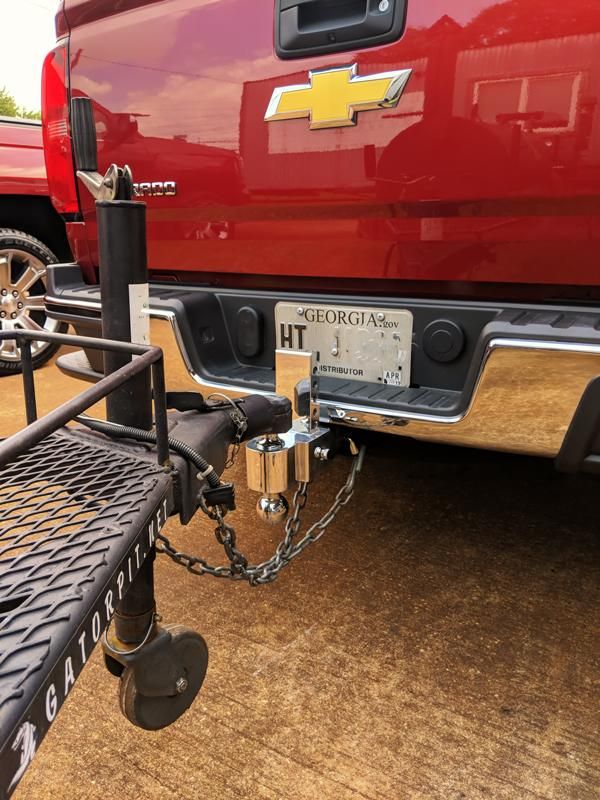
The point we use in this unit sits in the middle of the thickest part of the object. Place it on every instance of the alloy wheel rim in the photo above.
(22, 291)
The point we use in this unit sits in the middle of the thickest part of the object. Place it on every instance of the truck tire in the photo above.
(23, 262)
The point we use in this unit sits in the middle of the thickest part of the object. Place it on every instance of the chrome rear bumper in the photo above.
(523, 401)
(525, 386)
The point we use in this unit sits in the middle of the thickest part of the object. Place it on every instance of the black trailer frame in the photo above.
(78, 520)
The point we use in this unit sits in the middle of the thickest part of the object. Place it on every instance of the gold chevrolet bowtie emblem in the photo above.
(334, 96)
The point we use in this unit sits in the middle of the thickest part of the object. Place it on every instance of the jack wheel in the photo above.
(113, 666)
(190, 653)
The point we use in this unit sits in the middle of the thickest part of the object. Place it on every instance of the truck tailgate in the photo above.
(485, 170)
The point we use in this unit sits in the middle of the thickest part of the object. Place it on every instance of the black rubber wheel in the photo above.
(113, 666)
(23, 262)
(153, 713)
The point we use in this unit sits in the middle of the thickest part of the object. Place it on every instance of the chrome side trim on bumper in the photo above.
(524, 400)
(157, 330)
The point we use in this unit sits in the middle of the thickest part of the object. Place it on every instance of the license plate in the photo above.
(350, 342)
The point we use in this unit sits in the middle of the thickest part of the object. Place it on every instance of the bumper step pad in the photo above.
(77, 520)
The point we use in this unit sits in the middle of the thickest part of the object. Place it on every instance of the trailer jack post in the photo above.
(123, 281)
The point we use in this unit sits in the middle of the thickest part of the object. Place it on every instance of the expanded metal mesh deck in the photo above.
(77, 518)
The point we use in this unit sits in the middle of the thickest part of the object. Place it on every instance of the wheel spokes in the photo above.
(28, 278)
(5, 270)
(35, 303)
(19, 272)
(8, 347)
(27, 323)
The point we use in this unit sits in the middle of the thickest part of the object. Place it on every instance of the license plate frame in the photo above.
(369, 344)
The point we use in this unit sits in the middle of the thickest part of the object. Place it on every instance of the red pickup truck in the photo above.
(32, 235)
(408, 190)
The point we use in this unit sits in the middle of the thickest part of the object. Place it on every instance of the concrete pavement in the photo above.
(440, 641)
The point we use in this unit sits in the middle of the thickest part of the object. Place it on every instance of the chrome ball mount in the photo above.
(274, 461)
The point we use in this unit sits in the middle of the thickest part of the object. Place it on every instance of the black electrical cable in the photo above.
(125, 432)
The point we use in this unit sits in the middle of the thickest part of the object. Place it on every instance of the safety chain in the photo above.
(267, 571)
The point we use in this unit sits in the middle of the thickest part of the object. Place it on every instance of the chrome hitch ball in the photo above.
(270, 465)
(272, 508)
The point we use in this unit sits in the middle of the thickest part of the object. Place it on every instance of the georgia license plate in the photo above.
(351, 342)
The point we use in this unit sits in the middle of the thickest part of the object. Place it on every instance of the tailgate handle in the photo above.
(308, 27)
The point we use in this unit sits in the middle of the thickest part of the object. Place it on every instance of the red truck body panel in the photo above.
(487, 171)
(22, 168)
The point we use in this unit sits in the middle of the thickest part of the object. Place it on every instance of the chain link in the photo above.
(288, 548)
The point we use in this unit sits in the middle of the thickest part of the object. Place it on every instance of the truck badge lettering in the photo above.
(333, 97)
(155, 189)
